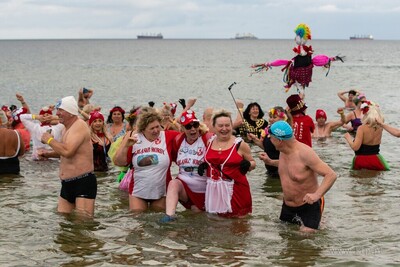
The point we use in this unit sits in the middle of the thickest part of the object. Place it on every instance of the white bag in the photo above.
(218, 196)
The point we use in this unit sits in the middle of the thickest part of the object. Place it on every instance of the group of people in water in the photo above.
(213, 155)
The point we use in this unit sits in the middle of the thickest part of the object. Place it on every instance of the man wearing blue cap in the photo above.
(299, 167)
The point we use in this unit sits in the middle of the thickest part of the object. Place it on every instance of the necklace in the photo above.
(220, 146)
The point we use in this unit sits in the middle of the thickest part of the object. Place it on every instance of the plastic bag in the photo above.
(124, 184)
(114, 147)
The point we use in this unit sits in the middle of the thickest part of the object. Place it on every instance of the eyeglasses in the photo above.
(195, 124)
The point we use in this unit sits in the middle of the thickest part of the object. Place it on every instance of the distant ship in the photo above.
(150, 36)
(361, 37)
(245, 36)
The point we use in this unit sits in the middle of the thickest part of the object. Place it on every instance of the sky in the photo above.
(197, 19)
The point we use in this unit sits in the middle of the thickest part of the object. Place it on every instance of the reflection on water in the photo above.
(76, 238)
(298, 249)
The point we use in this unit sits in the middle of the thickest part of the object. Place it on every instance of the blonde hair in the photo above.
(146, 117)
(373, 114)
(220, 113)
(96, 139)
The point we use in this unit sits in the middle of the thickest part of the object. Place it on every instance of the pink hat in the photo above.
(320, 113)
(95, 115)
(188, 117)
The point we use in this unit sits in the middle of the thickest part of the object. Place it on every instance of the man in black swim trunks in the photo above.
(79, 185)
(298, 168)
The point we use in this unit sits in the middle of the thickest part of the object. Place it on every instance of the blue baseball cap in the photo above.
(281, 130)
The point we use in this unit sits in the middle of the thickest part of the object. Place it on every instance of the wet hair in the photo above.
(372, 115)
(352, 92)
(146, 117)
(219, 114)
(114, 109)
(246, 113)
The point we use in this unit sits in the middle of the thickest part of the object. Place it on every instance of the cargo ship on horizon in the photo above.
(150, 36)
(245, 36)
(361, 37)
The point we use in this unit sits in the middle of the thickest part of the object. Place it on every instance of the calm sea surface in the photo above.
(361, 218)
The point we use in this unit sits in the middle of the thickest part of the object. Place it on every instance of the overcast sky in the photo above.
(275, 19)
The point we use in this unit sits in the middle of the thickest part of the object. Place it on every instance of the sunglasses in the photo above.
(195, 124)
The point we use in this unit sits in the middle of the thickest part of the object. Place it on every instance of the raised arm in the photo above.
(21, 99)
(342, 96)
(390, 129)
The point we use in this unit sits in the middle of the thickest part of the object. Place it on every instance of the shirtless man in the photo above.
(84, 96)
(348, 101)
(78, 182)
(298, 168)
(323, 128)
(11, 146)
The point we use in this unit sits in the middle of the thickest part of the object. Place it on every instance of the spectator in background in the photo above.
(84, 96)
(303, 125)
(11, 147)
(101, 141)
(116, 124)
(348, 101)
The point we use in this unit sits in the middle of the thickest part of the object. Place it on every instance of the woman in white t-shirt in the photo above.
(149, 153)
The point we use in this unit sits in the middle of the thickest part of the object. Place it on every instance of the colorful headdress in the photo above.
(276, 112)
(366, 104)
(303, 34)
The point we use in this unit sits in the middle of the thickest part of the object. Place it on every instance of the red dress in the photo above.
(241, 199)
(303, 126)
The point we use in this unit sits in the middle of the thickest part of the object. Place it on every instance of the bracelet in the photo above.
(33, 117)
(23, 103)
(240, 109)
(50, 139)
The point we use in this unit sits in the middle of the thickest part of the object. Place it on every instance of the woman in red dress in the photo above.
(229, 159)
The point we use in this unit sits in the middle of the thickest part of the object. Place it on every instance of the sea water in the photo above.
(360, 222)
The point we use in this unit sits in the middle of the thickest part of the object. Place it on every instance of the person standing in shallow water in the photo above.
(188, 152)
(11, 147)
(303, 125)
(323, 128)
(116, 125)
(101, 141)
(299, 166)
(253, 121)
(366, 144)
(78, 182)
(228, 160)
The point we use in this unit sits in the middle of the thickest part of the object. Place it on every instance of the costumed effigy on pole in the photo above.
(298, 70)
